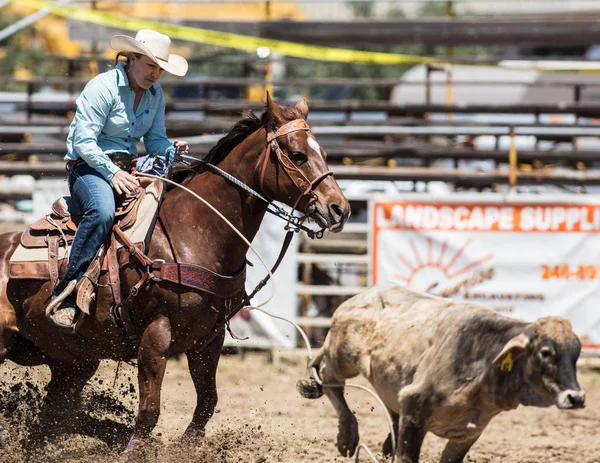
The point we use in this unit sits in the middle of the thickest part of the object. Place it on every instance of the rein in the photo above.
(306, 186)
(293, 223)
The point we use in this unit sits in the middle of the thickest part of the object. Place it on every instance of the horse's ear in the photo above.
(302, 106)
(275, 110)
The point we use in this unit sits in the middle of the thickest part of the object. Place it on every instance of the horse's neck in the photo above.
(198, 235)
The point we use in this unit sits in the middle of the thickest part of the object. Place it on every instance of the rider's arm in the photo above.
(93, 108)
(155, 139)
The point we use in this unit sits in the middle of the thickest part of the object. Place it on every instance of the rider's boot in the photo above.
(62, 309)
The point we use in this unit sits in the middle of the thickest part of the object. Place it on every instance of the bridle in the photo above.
(304, 185)
(294, 224)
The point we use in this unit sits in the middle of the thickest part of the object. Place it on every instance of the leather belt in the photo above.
(121, 160)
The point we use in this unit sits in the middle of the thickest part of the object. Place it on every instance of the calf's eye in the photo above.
(546, 353)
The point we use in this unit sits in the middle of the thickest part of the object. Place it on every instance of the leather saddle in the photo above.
(44, 245)
(65, 216)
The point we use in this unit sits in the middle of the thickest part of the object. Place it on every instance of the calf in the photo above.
(442, 366)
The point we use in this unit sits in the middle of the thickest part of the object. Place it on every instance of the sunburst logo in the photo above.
(432, 268)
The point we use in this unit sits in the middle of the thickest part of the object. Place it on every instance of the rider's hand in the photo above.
(181, 147)
(125, 183)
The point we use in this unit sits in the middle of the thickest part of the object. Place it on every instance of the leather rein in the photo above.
(195, 276)
(305, 186)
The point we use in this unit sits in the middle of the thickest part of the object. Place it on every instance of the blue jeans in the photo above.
(95, 198)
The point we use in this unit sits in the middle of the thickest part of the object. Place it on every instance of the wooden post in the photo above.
(449, 72)
(29, 95)
(512, 159)
(93, 66)
(429, 70)
(307, 298)
(577, 96)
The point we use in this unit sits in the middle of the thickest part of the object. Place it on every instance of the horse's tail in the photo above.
(310, 388)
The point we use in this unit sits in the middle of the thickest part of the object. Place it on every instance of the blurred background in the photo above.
(434, 98)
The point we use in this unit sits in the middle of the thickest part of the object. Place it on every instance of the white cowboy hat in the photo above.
(155, 46)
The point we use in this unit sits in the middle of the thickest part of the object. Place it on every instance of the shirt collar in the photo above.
(123, 81)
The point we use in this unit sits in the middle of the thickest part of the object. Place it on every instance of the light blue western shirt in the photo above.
(105, 122)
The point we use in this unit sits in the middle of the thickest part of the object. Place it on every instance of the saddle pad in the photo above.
(33, 262)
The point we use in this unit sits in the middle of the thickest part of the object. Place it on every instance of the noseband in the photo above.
(303, 184)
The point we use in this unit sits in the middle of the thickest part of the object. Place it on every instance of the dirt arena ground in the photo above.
(261, 418)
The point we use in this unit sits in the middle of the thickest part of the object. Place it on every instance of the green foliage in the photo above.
(396, 12)
(17, 51)
(361, 9)
(433, 10)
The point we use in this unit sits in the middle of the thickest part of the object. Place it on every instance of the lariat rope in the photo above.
(294, 223)
(225, 219)
(315, 373)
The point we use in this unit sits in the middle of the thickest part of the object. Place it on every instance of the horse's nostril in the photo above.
(337, 213)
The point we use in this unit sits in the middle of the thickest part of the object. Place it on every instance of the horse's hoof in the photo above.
(192, 433)
(133, 447)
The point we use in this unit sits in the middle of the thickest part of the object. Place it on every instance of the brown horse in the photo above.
(172, 319)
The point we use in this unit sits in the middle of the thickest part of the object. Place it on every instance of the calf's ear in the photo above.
(515, 347)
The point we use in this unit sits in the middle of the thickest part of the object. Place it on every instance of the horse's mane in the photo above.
(236, 135)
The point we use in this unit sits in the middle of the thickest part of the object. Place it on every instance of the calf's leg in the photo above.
(387, 449)
(415, 411)
(347, 439)
(455, 451)
(203, 368)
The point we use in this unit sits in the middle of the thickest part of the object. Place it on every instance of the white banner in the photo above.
(526, 257)
(261, 330)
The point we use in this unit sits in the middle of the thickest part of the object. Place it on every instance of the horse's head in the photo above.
(294, 169)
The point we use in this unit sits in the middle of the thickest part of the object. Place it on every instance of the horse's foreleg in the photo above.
(152, 362)
(6, 342)
(203, 368)
(63, 397)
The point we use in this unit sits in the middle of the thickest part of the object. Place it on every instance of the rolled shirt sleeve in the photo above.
(155, 139)
(93, 108)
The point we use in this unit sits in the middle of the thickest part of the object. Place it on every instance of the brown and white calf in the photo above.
(442, 366)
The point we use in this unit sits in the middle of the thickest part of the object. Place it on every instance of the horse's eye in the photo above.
(298, 157)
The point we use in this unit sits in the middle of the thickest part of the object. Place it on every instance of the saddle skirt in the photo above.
(46, 244)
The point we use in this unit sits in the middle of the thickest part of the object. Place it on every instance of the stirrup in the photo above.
(65, 317)
(58, 300)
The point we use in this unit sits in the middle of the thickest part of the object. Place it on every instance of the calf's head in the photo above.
(549, 351)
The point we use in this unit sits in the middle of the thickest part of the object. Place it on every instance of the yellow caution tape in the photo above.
(229, 40)
(251, 44)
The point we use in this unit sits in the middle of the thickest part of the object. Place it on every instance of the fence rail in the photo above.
(341, 172)
(366, 130)
(357, 150)
(557, 80)
(425, 174)
(348, 107)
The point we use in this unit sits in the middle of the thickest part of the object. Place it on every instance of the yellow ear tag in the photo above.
(507, 363)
